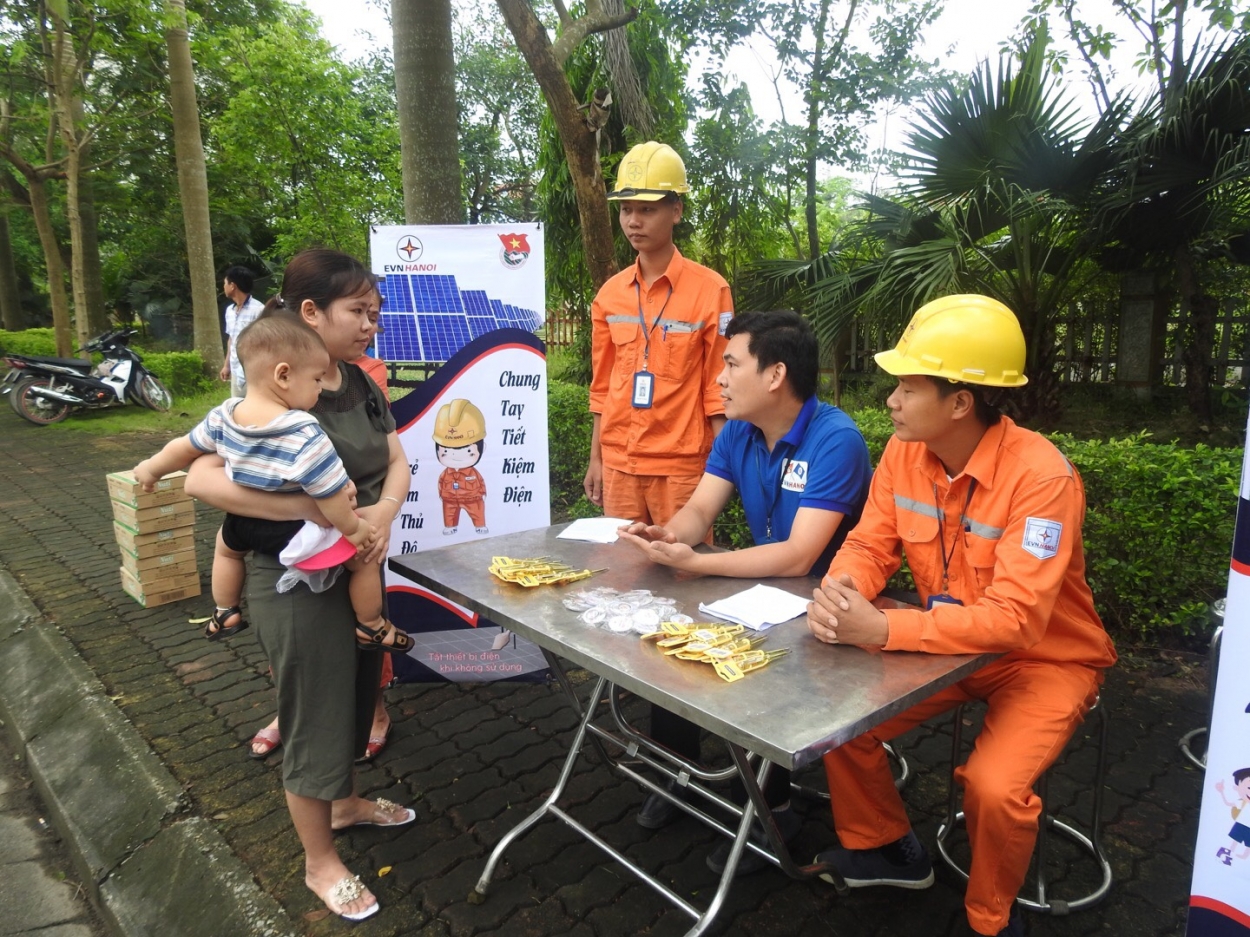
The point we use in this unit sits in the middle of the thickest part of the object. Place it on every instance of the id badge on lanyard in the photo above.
(942, 599)
(644, 390)
(644, 380)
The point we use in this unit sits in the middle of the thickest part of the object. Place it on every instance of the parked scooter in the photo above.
(45, 390)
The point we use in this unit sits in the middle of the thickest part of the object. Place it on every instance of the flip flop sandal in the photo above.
(377, 637)
(343, 894)
(215, 630)
(268, 739)
(385, 806)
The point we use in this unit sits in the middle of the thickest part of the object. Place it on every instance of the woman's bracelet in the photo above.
(398, 504)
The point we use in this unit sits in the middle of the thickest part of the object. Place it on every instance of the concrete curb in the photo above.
(154, 868)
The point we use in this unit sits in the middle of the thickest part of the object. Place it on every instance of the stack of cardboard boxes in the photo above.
(155, 531)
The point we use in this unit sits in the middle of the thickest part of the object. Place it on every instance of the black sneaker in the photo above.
(656, 812)
(788, 825)
(861, 868)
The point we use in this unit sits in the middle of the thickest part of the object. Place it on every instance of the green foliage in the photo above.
(1157, 532)
(35, 342)
(568, 426)
(181, 371)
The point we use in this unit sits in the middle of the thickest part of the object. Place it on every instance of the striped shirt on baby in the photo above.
(290, 453)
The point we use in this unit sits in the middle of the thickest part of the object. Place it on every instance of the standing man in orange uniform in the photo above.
(989, 517)
(657, 335)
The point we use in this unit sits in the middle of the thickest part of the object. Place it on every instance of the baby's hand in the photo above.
(146, 478)
(363, 534)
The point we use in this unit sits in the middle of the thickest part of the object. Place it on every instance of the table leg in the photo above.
(546, 807)
(562, 678)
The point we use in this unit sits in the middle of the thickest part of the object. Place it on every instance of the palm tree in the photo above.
(1000, 178)
(1179, 202)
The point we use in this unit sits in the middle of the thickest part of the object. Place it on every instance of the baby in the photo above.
(271, 443)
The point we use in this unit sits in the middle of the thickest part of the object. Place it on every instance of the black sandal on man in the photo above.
(216, 628)
(402, 643)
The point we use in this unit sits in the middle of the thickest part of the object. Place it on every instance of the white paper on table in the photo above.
(593, 529)
(758, 608)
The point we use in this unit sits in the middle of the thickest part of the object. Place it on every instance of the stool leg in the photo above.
(953, 816)
(1043, 829)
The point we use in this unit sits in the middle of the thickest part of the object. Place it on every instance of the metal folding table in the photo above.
(789, 713)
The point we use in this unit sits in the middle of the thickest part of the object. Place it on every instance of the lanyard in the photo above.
(771, 495)
(941, 519)
(642, 320)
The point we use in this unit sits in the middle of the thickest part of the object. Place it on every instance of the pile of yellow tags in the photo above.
(730, 652)
(536, 571)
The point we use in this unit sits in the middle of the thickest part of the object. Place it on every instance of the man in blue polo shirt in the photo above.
(802, 471)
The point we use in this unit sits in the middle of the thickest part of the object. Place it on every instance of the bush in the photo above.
(1158, 531)
(181, 371)
(568, 427)
(34, 342)
(1158, 528)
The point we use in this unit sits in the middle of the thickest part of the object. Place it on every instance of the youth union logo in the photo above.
(516, 250)
(409, 249)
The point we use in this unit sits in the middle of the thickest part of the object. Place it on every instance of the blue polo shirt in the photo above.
(822, 463)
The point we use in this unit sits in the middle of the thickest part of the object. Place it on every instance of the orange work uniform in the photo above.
(1011, 527)
(653, 457)
(462, 488)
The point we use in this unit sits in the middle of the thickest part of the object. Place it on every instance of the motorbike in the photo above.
(46, 390)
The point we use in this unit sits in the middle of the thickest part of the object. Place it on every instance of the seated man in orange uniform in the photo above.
(989, 517)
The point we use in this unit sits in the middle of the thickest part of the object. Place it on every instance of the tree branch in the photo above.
(595, 20)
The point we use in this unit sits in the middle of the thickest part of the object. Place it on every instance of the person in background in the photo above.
(989, 518)
(801, 468)
(242, 312)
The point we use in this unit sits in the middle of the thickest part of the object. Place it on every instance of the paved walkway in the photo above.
(473, 760)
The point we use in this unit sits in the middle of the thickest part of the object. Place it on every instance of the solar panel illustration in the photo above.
(429, 318)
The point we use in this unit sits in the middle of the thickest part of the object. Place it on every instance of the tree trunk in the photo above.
(425, 92)
(1199, 337)
(12, 316)
(55, 265)
(193, 187)
(63, 72)
(579, 145)
(815, 97)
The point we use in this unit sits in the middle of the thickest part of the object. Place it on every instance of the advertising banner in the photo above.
(475, 434)
(1219, 904)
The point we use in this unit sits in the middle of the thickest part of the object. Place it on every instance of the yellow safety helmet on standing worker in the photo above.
(649, 172)
(967, 338)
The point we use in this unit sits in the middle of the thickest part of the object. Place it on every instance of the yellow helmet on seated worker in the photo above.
(968, 338)
(649, 172)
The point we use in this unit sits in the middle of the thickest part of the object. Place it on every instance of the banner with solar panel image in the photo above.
(469, 298)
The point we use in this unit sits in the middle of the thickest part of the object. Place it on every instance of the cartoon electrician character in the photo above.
(459, 438)
(1239, 835)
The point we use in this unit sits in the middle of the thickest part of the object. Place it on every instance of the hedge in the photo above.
(1158, 528)
(35, 342)
(181, 371)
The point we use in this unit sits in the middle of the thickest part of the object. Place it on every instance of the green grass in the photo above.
(185, 413)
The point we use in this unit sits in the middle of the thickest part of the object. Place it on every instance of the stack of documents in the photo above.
(758, 608)
(593, 529)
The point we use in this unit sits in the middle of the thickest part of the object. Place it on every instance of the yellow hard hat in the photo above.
(969, 338)
(459, 424)
(649, 172)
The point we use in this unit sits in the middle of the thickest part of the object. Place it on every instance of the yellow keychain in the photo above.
(738, 667)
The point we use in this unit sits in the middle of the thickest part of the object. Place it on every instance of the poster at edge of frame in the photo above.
(1219, 904)
(470, 298)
